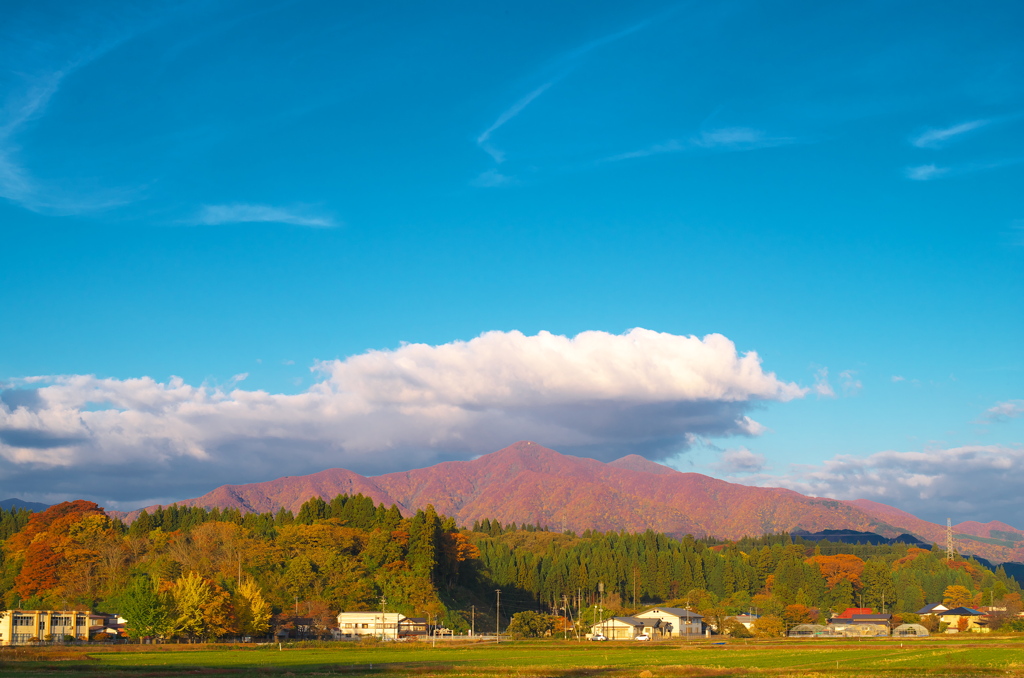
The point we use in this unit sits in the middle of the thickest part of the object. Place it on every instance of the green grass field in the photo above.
(974, 656)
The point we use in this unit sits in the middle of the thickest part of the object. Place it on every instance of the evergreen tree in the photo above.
(145, 612)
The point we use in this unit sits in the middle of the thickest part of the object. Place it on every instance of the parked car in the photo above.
(642, 636)
(599, 636)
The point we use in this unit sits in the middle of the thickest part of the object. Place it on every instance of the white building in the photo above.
(747, 620)
(675, 621)
(622, 628)
(379, 624)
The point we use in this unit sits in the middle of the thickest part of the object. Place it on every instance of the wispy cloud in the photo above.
(936, 138)
(242, 213)
(926, 172)
(493, 179)
(34, 84)
(563, 66)
(15, 182)
(511, 112)
(850, 383)
(728, 139)
(822, 388)
(1004, 411)
(896, 378)
(734, 136)
(932, 171)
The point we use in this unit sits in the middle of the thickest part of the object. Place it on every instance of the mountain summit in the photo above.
(528, 483)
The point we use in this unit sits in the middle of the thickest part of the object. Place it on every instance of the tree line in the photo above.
(766, 576)
(196, 573)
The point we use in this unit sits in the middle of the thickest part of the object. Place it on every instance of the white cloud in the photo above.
(822, 387)
(740, 460)
(965, 483)
(506, 115)
(16, 182)
(493, 179)
(1004, 411)
(40, 51)
(563, 65)
(850, 383)
(730, 136)
(596, 393)
(926, 172)
(241, 213)
(932, 171)
(935, 138)
(724, 139)
(897, 378)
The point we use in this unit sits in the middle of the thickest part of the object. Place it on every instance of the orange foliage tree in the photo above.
(69, 511)
(797, 614)
(840, 567)
(60, 549)
(39, 573)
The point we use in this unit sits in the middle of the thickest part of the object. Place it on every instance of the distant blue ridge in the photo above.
(8, 504)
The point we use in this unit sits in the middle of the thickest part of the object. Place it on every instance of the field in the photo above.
(974, 656)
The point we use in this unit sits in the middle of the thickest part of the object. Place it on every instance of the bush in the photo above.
(530, 624)
(1013, 626)
(737, 630)
(769, 626)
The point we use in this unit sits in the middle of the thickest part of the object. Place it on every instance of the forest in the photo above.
(199, 574)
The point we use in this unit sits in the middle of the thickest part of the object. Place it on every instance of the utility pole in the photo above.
(472, 630)
(565, 609)
(383, 616)
(574, 627)
(497, 617)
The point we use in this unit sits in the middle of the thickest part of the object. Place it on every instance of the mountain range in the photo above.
(14, 503)
(528, 483)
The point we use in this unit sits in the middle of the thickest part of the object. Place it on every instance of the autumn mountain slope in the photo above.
(528, 483)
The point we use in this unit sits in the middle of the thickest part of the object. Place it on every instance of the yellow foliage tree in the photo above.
(957, 595)
(251, 610)
(202, 609)
(768, 626)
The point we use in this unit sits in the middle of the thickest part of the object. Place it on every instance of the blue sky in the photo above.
(210, 190)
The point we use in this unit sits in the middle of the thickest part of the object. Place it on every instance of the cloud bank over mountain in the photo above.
(974, 482)
(595, 394)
